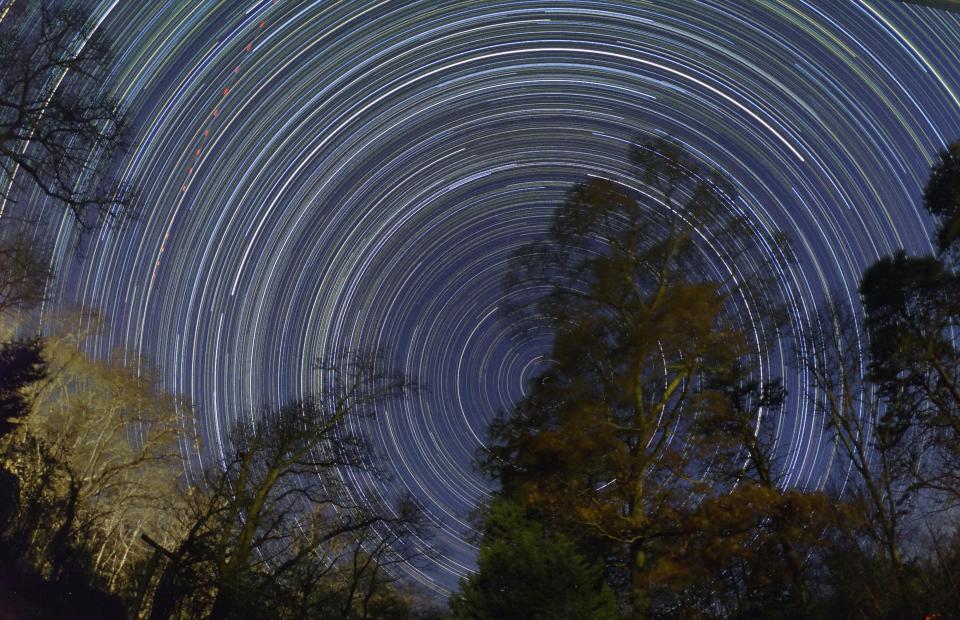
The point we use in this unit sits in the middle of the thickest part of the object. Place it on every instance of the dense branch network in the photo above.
(60, 128)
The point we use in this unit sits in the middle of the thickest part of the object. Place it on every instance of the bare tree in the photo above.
(98, 462)
(276, 530)
(61, 134)
(60, 127)
(881, 447)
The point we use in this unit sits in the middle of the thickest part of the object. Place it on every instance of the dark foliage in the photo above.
(942, 198)
(23, 273)
(527, 572)
(911, 304)
(21, 365)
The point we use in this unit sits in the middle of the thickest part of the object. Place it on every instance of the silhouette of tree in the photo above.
(21, 365)
(274, 531)
(60, 129)
(942, 199)
(912, 307)
(23, 274)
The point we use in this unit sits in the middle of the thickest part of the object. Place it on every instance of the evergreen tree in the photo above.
(527, 572)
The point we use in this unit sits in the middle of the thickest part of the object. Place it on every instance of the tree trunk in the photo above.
(639, 592)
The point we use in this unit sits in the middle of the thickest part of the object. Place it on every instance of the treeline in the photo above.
(100, 516)
(640, 476)
(90, 463)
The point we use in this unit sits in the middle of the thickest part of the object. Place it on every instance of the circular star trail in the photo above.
(341, 174)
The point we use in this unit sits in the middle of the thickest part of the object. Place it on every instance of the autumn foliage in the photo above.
(649, 442)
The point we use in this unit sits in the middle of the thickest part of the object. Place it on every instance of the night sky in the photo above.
(340, 174)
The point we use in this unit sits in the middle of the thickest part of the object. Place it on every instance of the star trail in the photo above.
(330, 175)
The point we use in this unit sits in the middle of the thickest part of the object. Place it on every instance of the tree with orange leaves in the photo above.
(641, 291)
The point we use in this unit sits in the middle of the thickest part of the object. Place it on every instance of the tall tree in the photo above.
(912, 307)
(117, 437)
(868, 435)
(912, 312)
(893, 403)
(22, 279)
(640, 291)
(23, 273)
(21, 365)
(941, 197)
